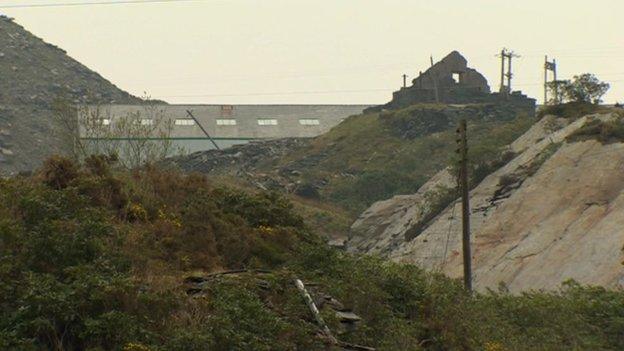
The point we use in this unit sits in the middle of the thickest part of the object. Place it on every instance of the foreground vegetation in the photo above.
(93, 259)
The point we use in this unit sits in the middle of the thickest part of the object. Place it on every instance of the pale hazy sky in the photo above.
(325, 51)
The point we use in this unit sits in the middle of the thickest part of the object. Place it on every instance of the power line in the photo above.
(284, 93)
(92, 3)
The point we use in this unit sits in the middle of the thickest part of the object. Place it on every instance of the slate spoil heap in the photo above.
(33, 75)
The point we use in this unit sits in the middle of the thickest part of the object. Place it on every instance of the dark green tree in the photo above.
(583, 88)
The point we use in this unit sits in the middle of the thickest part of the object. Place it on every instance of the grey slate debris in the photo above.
(243, 161)
(34, 75)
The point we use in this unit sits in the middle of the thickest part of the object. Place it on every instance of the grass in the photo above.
(572, 110)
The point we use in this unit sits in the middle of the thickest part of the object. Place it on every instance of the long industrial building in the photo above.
(227, 125)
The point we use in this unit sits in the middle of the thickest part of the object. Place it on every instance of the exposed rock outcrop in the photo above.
(553, 213)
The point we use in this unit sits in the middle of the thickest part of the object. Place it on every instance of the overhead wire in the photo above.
(91, 3)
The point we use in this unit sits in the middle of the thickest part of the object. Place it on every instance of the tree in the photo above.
(136, 138)
(584, 88)
(557, 91)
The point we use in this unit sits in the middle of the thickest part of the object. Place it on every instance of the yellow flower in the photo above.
(493, 346)
(137, 212)
(135, 347)
(266, 230)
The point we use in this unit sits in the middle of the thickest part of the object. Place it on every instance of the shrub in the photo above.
(58, 172)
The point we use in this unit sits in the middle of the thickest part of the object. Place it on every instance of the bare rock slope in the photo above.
(555, 212)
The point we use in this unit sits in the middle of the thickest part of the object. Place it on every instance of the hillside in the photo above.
(366, 158)
(99, 259)
(552, 213)
(34, 75)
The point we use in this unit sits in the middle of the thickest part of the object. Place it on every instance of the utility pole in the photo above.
(545, 80)
(550, 66)
(506, 55)
(502, 75)
(509, 74)
(404, 80)
(463, 181)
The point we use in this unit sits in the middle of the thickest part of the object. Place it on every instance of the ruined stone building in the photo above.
(451, 81)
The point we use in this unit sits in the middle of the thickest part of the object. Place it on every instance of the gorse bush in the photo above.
(76, 242)
(96, 262)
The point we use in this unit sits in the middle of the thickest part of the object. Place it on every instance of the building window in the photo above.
(267, 122)
(184, 122)
(147, 122)
(105, 121)
(456, 77)
(226, 122)
(309, 122)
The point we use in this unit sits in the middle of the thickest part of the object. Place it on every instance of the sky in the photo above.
(325, 51)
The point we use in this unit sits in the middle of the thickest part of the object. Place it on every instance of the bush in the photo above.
(74, 241)
(58, 172)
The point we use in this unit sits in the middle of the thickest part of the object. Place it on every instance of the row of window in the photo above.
(221, 122)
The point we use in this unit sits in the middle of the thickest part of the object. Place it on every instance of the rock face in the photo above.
(33, 75)
(382, 228)
(553, 213)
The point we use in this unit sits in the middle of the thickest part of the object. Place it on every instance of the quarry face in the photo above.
(552, 214)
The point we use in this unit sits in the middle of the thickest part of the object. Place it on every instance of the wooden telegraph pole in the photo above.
(550, 66)
(506, 55)
(510, 55)
(502, 75)
(463, 181)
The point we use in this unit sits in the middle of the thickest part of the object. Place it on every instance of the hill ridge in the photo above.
(34, 75)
